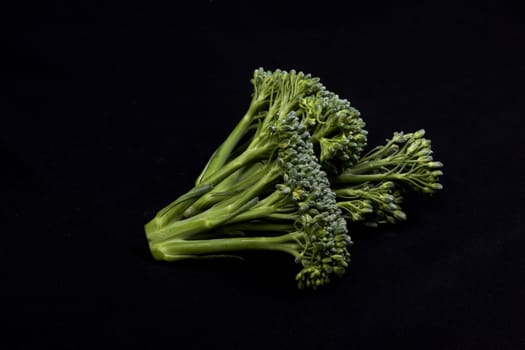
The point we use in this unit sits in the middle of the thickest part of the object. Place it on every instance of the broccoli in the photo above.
(288, 176)
(371, 190)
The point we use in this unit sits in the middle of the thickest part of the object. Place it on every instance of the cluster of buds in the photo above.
(370, 191)
(371, 203)
(405, 158)
(410, 161)
(325, 239)
(336, 127)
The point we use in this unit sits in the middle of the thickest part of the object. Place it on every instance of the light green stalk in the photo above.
(179, 249)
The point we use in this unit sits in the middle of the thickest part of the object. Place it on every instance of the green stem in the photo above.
(222, 213)
(183, 203)
(254, 214)
(221, 155)
(233, 184)
(177, 207)
(179, 229)
(378, 152)
(345, 178)
(368, 166)
(261, 227)
(177, 249)
(253, 154)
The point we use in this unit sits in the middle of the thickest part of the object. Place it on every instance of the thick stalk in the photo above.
(219, 214)
(177, 207)
(178, 249)
(180, 229)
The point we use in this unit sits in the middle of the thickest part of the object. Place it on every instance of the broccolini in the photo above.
(288, 176)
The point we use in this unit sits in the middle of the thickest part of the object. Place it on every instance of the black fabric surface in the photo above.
(110, 112)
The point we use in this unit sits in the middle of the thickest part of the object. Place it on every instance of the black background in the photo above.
(110, 111)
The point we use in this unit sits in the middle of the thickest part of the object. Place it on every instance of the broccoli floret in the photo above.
(337, 129)
(371, 203)
(371, 190)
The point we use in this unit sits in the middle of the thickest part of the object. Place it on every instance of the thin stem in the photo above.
(177, 249)
(229, 187)
(251, 155)
(367, 166)
(261, 227)
(265, 209)
(253, 214)
(281, 216)
(356, 178)
(219, 157)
